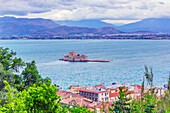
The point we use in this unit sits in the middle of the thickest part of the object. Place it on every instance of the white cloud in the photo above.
(86, 9)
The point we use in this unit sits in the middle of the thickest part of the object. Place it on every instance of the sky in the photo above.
(110, 11)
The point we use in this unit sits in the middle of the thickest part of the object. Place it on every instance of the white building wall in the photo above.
(103, 98)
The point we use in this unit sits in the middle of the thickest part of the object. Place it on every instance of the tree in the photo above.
(82, 109)
(169, 83)
(5, 75)
(144, 105)
(164, 102)
(9, 64)
(8, 61)
(143, 88)
(122, 105)
(149, 77)
(148, 100)
(30, 74)
(37, 99)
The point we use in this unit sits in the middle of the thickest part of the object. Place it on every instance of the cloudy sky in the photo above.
(111, 11)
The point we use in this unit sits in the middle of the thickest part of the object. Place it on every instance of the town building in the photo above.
(73, 99)
(75, 89)
(95, 95)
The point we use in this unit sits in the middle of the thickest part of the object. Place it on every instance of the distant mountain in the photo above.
(10, 26)
(150, 24)
(90, 23)
(65, 30)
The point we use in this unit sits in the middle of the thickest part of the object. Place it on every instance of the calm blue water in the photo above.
(129, 58)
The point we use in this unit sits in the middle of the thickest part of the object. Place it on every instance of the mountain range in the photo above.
(90, 23)
(150, 24)
(10, 26)
(145, 25)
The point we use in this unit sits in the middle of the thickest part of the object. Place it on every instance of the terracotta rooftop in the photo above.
(69, 94)
(100, 85)
(62, 91)
(80, 101)
(117, 93)
(113, 94)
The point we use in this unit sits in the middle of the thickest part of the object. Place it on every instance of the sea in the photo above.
(127, 65)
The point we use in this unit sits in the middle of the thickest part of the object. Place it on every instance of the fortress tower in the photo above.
(72, 53)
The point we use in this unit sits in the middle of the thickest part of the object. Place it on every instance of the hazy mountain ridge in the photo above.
(146, 25)
(65, 30)
(10, 26)
(90, 23)
(22, 26)
(150, 24)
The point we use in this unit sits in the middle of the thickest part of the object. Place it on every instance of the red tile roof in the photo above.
(100, 85)
(114, 94)
(117, 94)
(80, 101)
(91, 91)
(62, 91)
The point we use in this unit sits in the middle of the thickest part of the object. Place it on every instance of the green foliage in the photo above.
(164, 102)
(145, 105)
(122, 105)
(143, 87)
(5, 75)
(149, 76)
(40, 99)
(148, 101)
(17, 63)
(169, 83)
(82, 109)
(30, 74)
(8, 65)
(37, 99)
(8, 61)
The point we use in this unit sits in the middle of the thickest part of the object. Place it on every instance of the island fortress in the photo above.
(74, 57)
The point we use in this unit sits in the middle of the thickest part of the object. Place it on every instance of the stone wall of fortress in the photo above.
(74, 57)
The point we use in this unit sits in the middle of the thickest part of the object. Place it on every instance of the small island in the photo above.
(74, 57)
